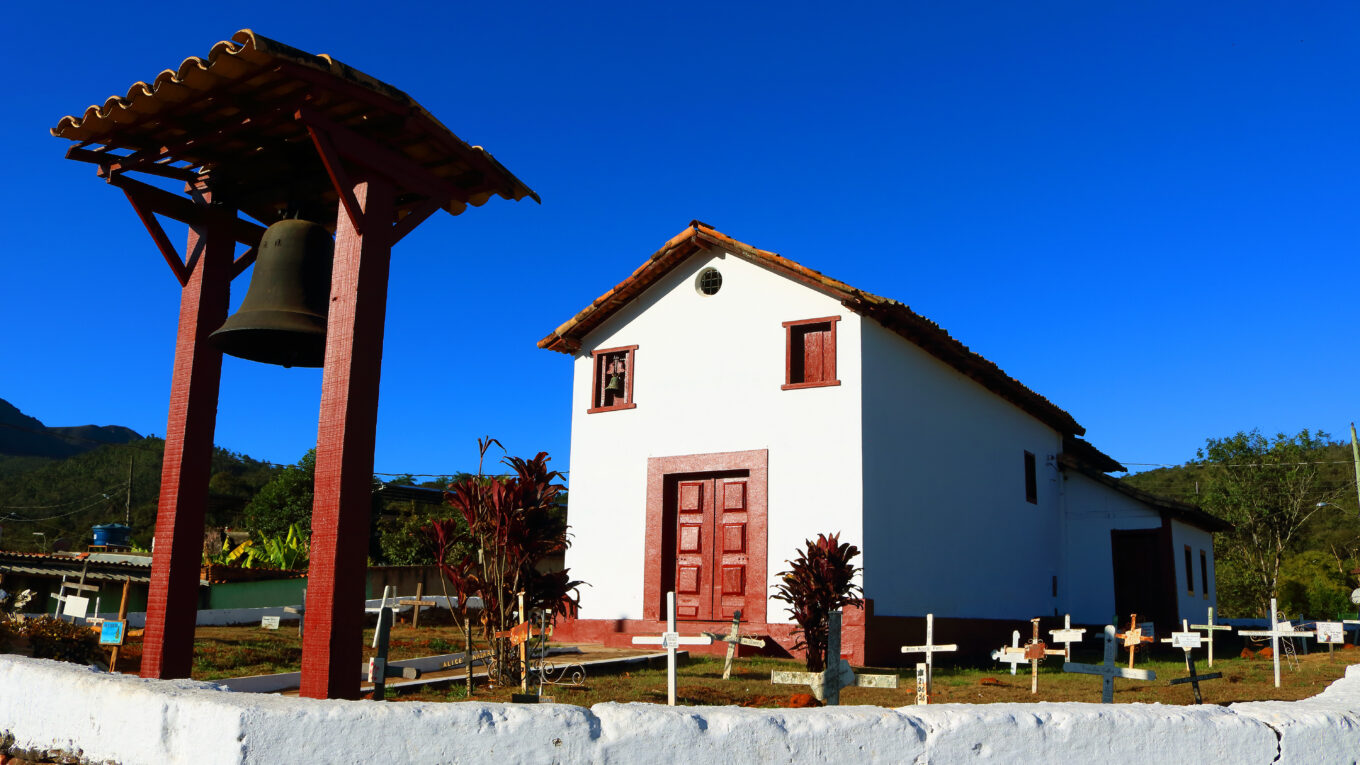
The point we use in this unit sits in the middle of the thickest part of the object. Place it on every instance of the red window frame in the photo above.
(795, 353)
(600, 361)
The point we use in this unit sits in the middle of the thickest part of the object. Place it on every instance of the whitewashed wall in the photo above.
(947, 526)
(708, 372)
(1090, 511)
(1193, 606)
(48, 706)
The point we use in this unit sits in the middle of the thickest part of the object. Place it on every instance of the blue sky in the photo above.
(1147, 212)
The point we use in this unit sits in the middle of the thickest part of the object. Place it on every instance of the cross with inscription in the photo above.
(827, 684)
(1133, 636)
(929, 650)
(1209, 628)
(734, 640)
(1188, 641)
(1277, 630)
(1067, 636)
(416, 603)
(1012, 654)
(378, 671)
(671, 640)
(1108, 669)
(1035, 651)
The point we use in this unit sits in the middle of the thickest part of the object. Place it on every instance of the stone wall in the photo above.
(49, 706)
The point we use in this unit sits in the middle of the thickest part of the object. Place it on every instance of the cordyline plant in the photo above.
(508, 525)
(819, 581)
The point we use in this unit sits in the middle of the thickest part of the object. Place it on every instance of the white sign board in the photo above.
(1331, 632)
(1067, 636)
(670, 640)
(269, 622)
(76, 606)
(1186, 640)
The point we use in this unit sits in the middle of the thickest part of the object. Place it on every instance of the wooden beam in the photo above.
(181, 208)
(339, 178)
(153, 227)
(242, 263)
(418, 215)
(405, 172)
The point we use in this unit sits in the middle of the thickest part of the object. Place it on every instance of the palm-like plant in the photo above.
(819, 581)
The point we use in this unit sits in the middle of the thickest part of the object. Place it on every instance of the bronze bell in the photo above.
(615, 385)
(282, 319)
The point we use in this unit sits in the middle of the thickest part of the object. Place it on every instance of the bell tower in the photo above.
(261, 129)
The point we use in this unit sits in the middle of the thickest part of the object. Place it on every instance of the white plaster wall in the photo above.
(52, 706)
(1193, 606)
(947, 527)
(708, 372)
(1091, 510)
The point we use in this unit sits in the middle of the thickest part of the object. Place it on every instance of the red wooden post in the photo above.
(172, 602)
(332, 644)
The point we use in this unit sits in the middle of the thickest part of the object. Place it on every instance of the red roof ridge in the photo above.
(891, 314)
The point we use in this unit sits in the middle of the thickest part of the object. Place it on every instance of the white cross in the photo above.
(1108, 670)
(671, 640)
(827, 684)
(1210, 627)
(734, 640)
(1067, 636)
(1013, 654)
(1277, 630)
(929, 650)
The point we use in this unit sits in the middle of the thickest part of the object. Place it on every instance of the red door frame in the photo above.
(658, 537)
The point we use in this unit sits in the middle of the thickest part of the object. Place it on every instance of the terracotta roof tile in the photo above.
(893, 315)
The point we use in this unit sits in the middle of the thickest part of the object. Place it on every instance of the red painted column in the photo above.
(172, 602)
(332, 648)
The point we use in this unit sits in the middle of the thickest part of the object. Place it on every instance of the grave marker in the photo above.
(1133, 636)
(1194, 679)
(1067, 636)
(416, 603)
(299, 610)
(1035, 651)
(122, 617)
(1013, 654)
(1277, 630)
(827, 684)
(269, 622)
(1109, 670)
(378, 671)
(671, 640)
(1209, 627)
(929, 650)
(734, 640)
(1330, 633)
(112, 633)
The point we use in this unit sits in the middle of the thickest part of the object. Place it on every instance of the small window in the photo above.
(708, 282)
(612, 384)
(1204, 573)
(810, 353)
(1031, 480)
(1189, 571)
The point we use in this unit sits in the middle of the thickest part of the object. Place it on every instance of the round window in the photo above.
(709, 281)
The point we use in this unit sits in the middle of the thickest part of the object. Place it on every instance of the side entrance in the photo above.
(706, 536)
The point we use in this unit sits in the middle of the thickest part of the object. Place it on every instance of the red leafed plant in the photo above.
(507, 525)
(819, 581)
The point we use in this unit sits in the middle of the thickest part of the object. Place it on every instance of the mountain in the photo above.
(25, 436)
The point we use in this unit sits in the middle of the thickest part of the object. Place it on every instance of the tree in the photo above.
(506, 526)
(819, 581)
(285, 500)
(1268, 489)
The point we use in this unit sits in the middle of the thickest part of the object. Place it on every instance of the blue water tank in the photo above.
(112, 534)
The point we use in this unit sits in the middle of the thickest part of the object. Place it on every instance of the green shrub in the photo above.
(52, 638)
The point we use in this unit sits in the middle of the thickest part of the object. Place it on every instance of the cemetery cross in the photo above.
(1275, 632)
(671, 640)
(416, 603)
(827, 684)
(1133, 636)
(378, 671)
(1067, 636)
(1108, 669)
(734, 640)
(1035, 651)
(929, 650)
(1187, 641)
(1209, 627)
(1012, 654)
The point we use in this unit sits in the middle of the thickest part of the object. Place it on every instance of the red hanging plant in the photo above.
(819, 581)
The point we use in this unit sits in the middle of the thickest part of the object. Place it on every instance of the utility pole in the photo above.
(127, 509)
(1355, 451)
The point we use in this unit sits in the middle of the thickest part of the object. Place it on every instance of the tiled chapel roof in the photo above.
(889, 313)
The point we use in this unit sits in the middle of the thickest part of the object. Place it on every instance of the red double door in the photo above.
(713, 521)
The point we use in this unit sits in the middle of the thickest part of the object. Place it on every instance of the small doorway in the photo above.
(1141, 564)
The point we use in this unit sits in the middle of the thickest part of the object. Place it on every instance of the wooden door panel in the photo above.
(734, 538)
(730, 558)
(694, 550)
(691, 538)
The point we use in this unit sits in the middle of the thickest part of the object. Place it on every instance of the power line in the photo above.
(104, 493)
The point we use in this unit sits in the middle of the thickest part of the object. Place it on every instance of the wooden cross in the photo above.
(1035, 651)
(671, 640)
(1188, 641)
(1012, 654)
(734, 640)
(378, 671)
(1275, 632)
(826, 685)
(122, 617)
(1067, 636)
(1209, 627)
(416, 603)
(1108, 670)
(77, 587)
(929, 650)
(1133, 636)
